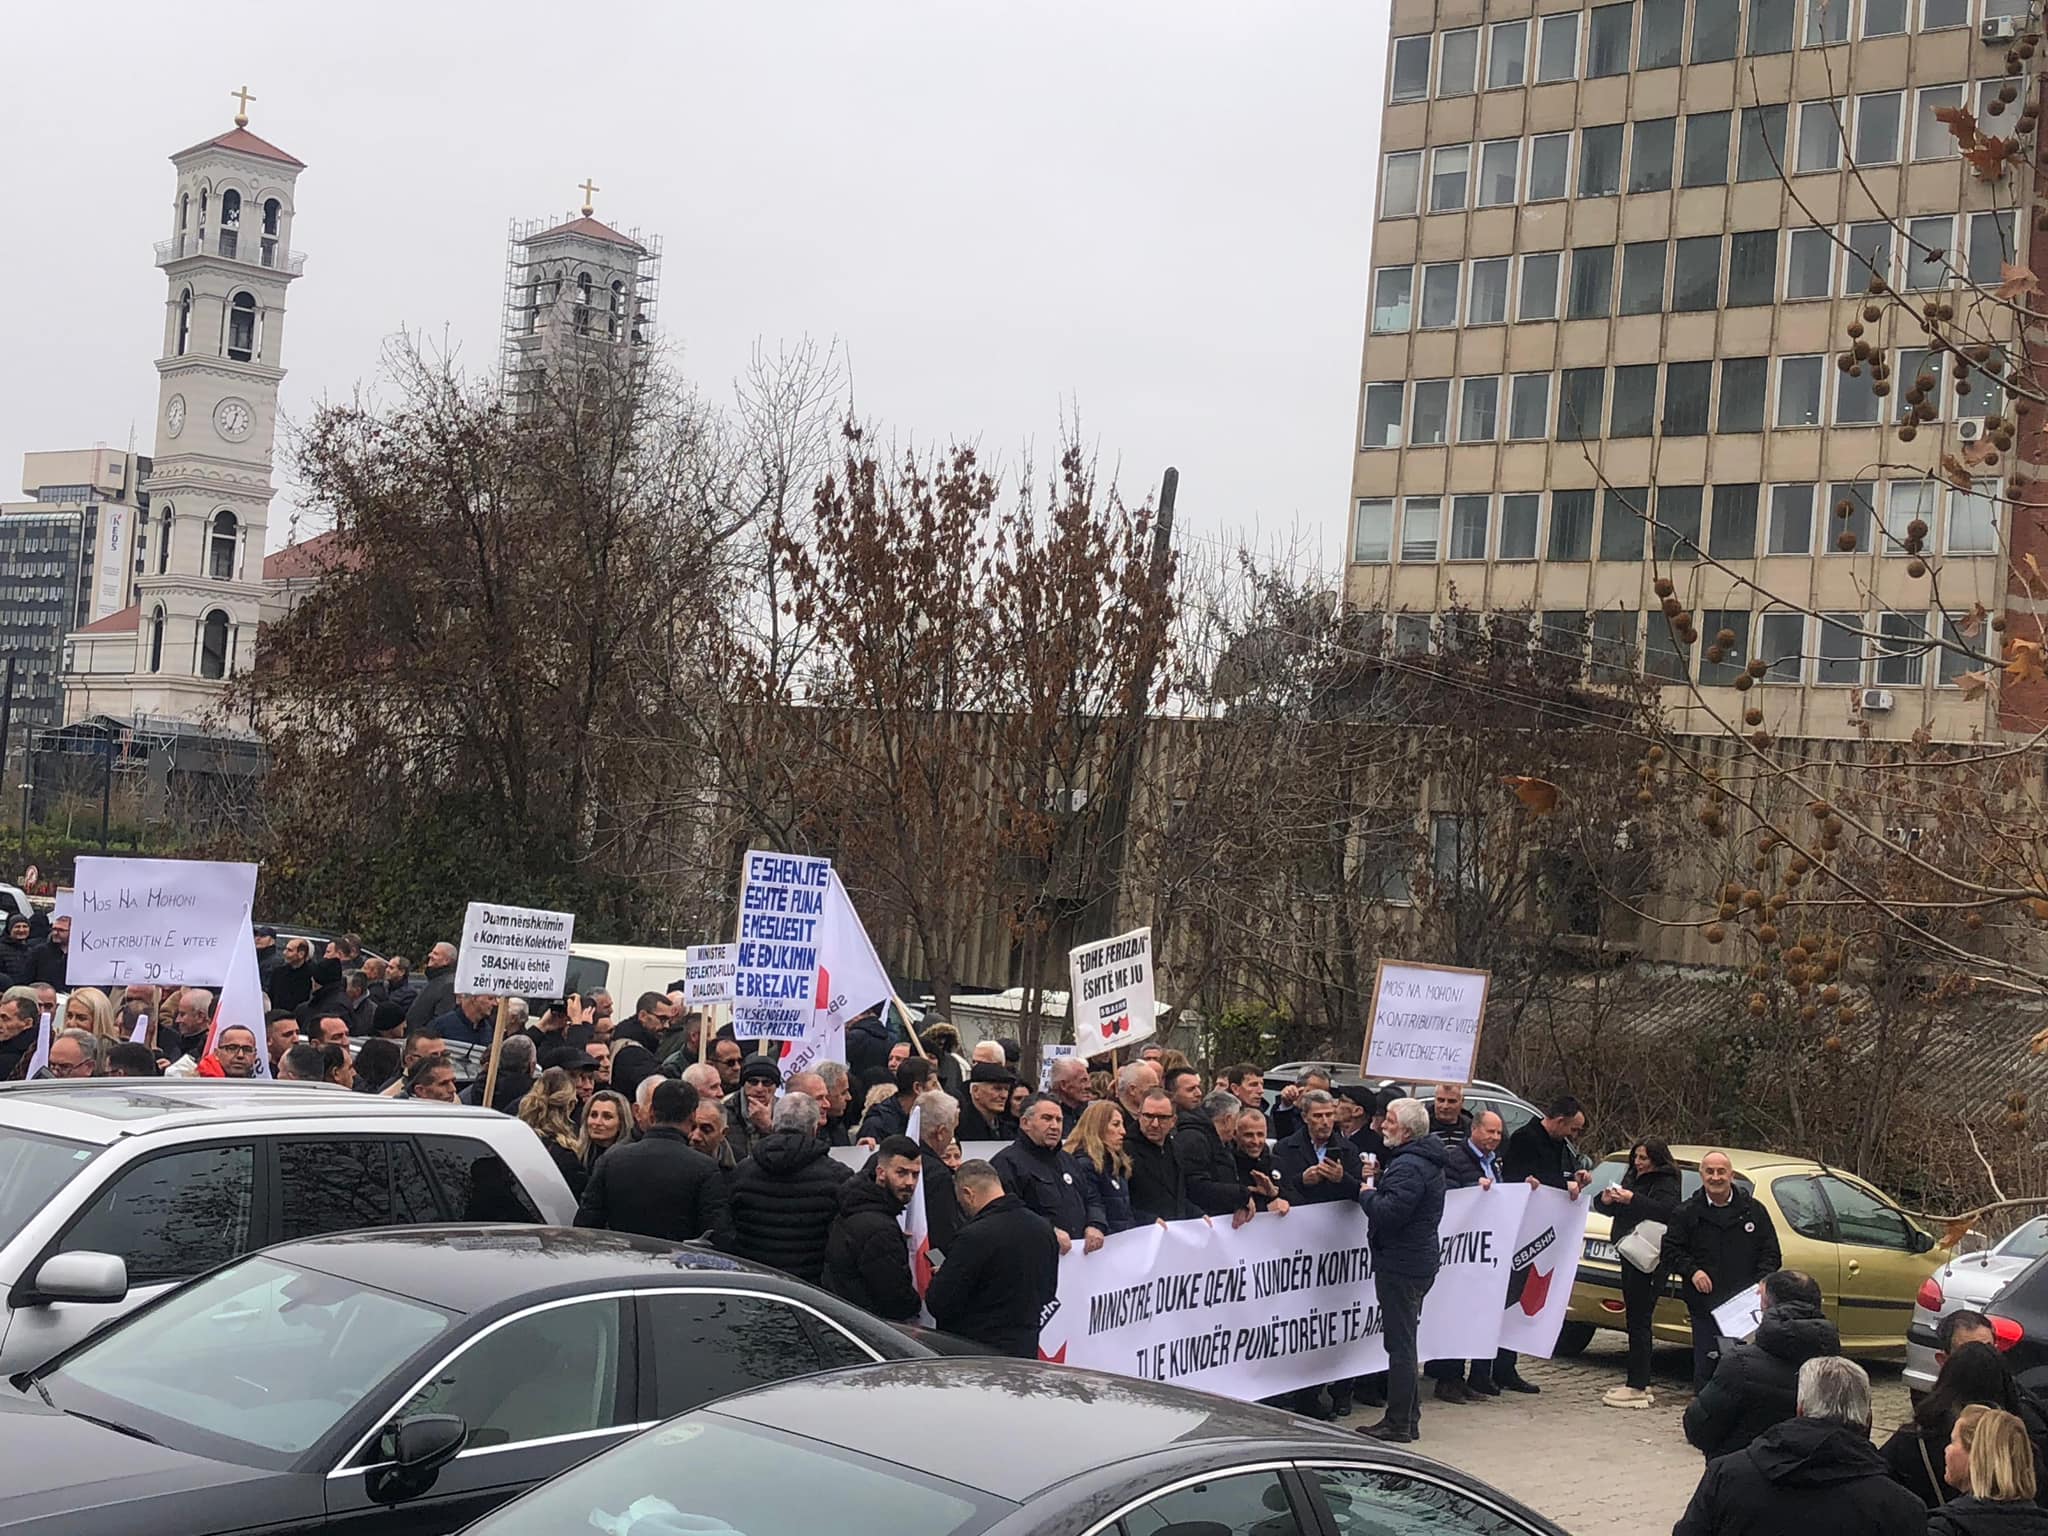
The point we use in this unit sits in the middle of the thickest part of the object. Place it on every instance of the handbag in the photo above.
(1644, 1247)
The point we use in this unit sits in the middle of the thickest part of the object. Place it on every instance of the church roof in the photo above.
(591, 229)
(126, 622)
(242, 141)
(308, 557)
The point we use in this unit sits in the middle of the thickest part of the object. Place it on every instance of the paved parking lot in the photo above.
(1596, 1471)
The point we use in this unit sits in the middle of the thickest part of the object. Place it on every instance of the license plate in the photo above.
(1603, 1252)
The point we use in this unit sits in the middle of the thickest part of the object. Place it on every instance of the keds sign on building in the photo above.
(514, 951)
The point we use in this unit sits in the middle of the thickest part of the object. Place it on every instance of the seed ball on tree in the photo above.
(1845, 541)
(1655, 754)
(1808, 1014)
(1752, 898)
(1752, 716)
(1757, 666)
(1767, 933)
(1973, 920)
(1716, 933)
(1830, 994)
(1916, 568)
(1759, 1005)
(1645, 797)
(1731, 891)
(1744, 682)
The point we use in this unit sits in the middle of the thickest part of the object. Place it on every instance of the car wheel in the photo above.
(1572, 1340)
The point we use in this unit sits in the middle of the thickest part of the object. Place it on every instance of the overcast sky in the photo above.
(1154, 213)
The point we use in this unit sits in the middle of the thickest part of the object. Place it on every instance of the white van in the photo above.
(624, 970)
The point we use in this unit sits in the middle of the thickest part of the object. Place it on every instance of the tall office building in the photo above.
(1617, 255)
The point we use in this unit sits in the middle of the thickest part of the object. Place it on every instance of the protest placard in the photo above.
(1047, 1055)
(707, 974)
(514, 951)
(159, 922)
(1738, 1316)
(1112, 992)
(775, 976)
(1545, 1261)
(1425, 1023)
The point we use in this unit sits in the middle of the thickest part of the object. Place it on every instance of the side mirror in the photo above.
(427, 1441)
(1923, 1241)
(82, 1276)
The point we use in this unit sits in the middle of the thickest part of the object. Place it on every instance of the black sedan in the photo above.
(986, 1447)
(403, 1380)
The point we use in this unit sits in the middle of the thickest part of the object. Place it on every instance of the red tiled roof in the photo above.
(242, 141)
(309, 557)
(592, 229)
(126, 622)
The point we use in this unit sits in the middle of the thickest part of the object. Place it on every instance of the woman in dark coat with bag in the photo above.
(1648, 1192)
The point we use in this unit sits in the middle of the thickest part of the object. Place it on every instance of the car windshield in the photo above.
(32, 1169)
(705, 1473)
(252, 1363)
(2028, 1241)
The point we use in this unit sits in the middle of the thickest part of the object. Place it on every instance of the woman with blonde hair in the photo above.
(549, 1108)
(90, 1009)
(1990, 1462)
(1097, 1143)
(607, 1123)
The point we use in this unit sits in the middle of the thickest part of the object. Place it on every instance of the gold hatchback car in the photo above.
(1868, 1255)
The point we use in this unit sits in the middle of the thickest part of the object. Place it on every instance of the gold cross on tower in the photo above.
(242, 96)
(589, 189)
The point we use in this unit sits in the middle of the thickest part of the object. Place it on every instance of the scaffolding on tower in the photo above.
(577, 293)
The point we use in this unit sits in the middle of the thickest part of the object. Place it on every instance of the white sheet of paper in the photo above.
(1737, 1316)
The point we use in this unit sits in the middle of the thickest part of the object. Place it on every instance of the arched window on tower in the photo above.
(156, 639)
(202, 221)
(242, 328)
(163, 540)
(582, 303)
(184, 322)
(230, 221)
(220, 546)
(273, 211)
(617, 317)
(184, 220)
(213, 645)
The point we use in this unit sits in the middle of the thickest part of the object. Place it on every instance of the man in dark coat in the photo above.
(938, 1114)
(1202, 1136)
(1473, 1163)
(1403, 1211)
(785, 1196)
(14, 948)
(1720, 1242)
(1449, 1120)
(1317, 1166)
(659, 1186)
(47, 960)
(867, 1053)
(1814, 1473)
(1044, 1177)
(1159, 1183)
(867, 1260)
(1541, 1154)
(1001, 1272)
(1756, 1383)
(891, 1117)
(985, 1112)
(749, 1108)
(437, 994)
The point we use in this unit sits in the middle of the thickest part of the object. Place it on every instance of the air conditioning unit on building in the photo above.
(1877, 701)
(1970, 428)
(2000, 29)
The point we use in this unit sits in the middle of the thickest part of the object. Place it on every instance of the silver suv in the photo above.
(114, 1189)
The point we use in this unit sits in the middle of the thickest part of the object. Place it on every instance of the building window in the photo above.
(1507, 55)
(1781, 642)
(1400, 187)
(1649, 157)
(1927, 252)
(1373, 533)
(1431, 422)
(1923, 367)
(1635, 400)
(156, 638)
(213, 645)
(1901, 649)
(220, 547)
(163, 540)
(1529, 406)
(1662, 659)
(1799, 391)
(1856, 400)
(1571, 525)
(1734, 653)
(1661, 43)
(1907, 502)
(1642, 277)
(1742, 393)
(1411, 634)
(1519, 515)
(1706, 150)
(1550, 167)
(1614, 645)
(1713, 30)
(1439, 310)
(1820, 137)
(1696, 273)
(1790, 530)
(1959, 654)
(1687, 388)
(1600, 161)
(1677, 534)
(242, 328)
(1877, 128)
(1454, 843)
(1411, 69)
(1991, 245)
(1500, 167)
(1827, 21)
(1884, 18)
(1450, 168)
(1421, 527)
(1581, 400)
(1733, 534)
(1931, 137)
(1622, 512)
(1607, 39)
(1848, 512)
(1591, 295)
(1752, 267)
(1393, 300)
(1869, 257)
(1479, 411)
(184, 323)
(1383, 415)
(1557, 47)
(1457, 67)
(1537, 299)
(1770, 26)
(1810, 264)
(1760, 149)
(1470, 516)
(1973, 519)
(1944, 13)
(617, 316)
(230, 221)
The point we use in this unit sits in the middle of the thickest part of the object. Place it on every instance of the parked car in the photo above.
(623, 970)
(1514, 1110)
(398, 1381)
(318, 938)
(1970, 1281)
(1867, 1255)
(1050, 1452)
(114, 1189)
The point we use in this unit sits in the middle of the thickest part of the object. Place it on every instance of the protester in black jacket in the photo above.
(1814, 1474)
(1202, 1138)
(47, 960)
(1098, 1144)
(1973, 1374)
(437, 994)
(867, 1053)
(1756, 1383)
(891, 1117)
(1473, 1163)
(1450, 1122)
(985, 1111)
(1002, 1271)
(1317, 1166)
(1403, 1212)
(866, 1258)
(1648, 1191)
(1719, 1242)
(1159, 1183)
(785, 1196)
(659, 1186)
(1044, 1177)
(14, 948)
(1254, 1156)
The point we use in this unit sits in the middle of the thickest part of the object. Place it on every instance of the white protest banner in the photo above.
(775, 982)
(513, 951)
(1425, 1023)
(1280, 1303)
(1047, 1055)
(1112, 992)
(851, 980)
(707, 974)
(1544, 1264)
(159, 922)
(1738, 1316)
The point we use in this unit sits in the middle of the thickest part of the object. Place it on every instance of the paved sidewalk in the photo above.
(1596, 1471)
